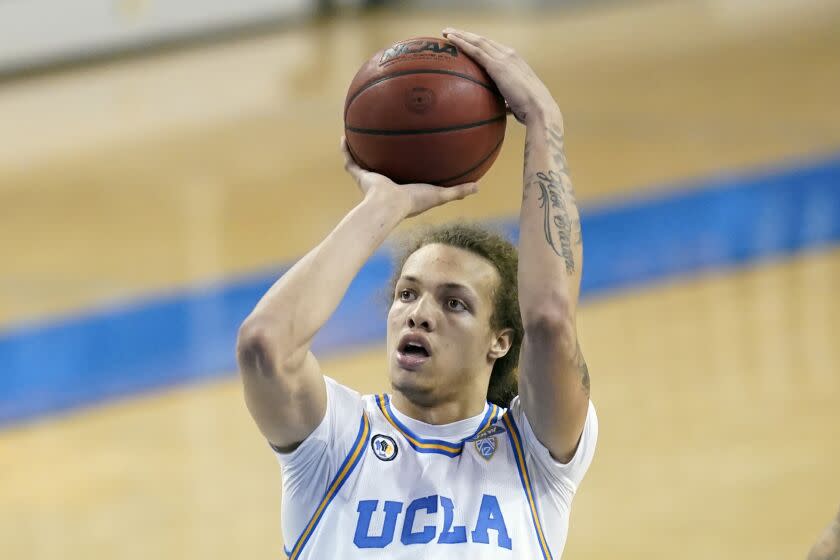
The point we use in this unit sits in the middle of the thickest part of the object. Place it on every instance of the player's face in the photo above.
(439, 334)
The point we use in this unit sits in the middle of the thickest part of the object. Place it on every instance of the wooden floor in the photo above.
(718, 395)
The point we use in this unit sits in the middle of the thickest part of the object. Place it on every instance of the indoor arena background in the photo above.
(162, 162)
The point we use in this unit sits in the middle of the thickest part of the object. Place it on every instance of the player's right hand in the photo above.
(411, 199)
(525, 94)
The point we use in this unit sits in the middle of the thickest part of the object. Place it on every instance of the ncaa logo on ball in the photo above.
(384, 447)
(418, 47)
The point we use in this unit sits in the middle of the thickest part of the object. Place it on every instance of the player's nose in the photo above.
(421, 315)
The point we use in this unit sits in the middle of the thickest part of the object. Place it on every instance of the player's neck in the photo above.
(439, 413)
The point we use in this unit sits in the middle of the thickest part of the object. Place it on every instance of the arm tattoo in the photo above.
(526, 179)
(583, 369)
(556, 223)
(557, 145)
(555, 196)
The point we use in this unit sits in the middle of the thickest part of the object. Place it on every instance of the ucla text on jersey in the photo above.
(492, 494)
(488, 518)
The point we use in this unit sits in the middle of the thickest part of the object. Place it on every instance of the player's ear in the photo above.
(501, 344)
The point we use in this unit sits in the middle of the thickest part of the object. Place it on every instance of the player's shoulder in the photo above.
(339, 394)
(341, 397)
(373, 405)
(516, 414)
(374, 402)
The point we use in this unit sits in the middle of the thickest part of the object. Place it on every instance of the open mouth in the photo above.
(414, 349)
(413, 352)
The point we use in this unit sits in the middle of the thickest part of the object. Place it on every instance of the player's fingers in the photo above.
(478, 53)
(459, 191)
(472, 51)
(350, 164)
(483, 43)
(503, 49)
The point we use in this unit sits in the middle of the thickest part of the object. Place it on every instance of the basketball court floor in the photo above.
(130, 182)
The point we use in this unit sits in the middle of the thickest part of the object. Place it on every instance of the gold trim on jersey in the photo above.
(350, 462)
(424, 445)
(519, 454)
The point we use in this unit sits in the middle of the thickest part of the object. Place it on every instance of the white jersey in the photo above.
(371, 483)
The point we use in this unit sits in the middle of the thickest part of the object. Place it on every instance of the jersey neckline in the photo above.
(431, 445)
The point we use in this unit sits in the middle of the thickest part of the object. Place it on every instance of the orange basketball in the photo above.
(421, 111)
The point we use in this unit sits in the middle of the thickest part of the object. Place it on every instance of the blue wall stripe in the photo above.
(189, 335)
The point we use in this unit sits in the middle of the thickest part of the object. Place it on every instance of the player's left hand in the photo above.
(526, 95)
(412, 199)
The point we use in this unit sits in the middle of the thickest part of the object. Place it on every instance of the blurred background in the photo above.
(161, 163)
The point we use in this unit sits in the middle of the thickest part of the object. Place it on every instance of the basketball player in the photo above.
(827, 546)
(451, 463)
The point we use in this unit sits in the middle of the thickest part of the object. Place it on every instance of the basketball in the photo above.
(422, 111)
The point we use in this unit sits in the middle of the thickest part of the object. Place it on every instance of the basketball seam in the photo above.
(381, 79)
(381, 132)
(468, 171)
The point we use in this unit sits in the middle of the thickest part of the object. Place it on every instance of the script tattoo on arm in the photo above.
(556, 197)
(556, 223)
(557, 148)
(526, 179)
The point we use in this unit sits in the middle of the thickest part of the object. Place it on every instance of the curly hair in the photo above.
(505, 258)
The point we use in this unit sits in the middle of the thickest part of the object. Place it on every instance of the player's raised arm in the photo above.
(284, 387)
(554, 381)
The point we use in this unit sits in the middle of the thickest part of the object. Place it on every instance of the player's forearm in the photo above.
(303, 299)
(550, 247)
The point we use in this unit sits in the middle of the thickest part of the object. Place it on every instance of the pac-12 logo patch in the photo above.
(384, 447)
(486, 447)
(485, 441)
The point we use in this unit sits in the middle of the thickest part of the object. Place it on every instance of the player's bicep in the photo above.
(554, 387)
(287, 401)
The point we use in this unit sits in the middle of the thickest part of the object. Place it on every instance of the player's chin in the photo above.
(420, 375)
(419, 389)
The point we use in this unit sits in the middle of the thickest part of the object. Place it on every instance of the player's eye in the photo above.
(455, 305)
(406, 295)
